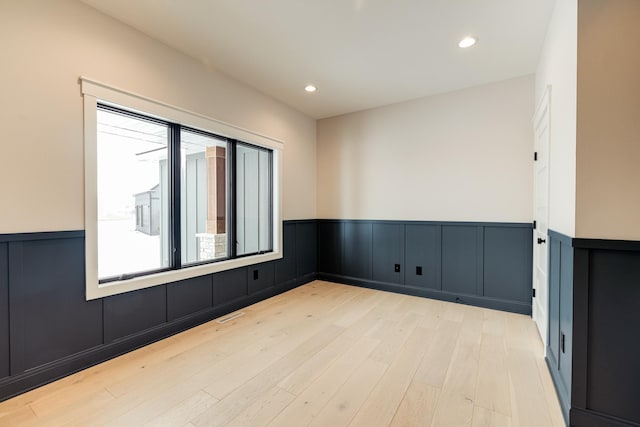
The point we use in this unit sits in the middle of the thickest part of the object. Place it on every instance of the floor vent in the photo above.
(230, 317)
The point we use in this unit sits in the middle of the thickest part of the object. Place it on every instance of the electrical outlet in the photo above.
(418, 271)
(397, 268)
(255, 274)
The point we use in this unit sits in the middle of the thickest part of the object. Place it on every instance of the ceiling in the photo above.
(359, 53)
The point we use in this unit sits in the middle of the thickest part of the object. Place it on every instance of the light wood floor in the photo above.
(323, 355)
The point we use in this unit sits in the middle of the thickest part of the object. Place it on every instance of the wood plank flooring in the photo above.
(322, 354)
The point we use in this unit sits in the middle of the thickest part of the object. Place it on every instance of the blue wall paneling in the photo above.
(459, 261)
(230, 285)
(260, 277)
(306, 248)
(592, 353)
(53, 331)
(613, 347)
(565, 351)
(189, 296)
(48, 329)
(285, 268)
(388, 253)
(503, 266)
(560, 279)
(133, 312)
(49, 316)
(4, 311)
(330, 237)
(555, 250)
(356, 252)
(423, 250)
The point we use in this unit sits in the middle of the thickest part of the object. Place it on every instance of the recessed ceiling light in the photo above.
(467, 42)
(310, 88)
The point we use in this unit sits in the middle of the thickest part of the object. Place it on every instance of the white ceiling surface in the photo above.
(360, 53)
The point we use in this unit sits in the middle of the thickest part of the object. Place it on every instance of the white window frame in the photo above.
(94, 92)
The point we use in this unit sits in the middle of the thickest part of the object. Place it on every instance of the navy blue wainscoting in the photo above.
(285, 268)
(260, 277)
(605, 375)
(230, 286)
(559, 341)
(462, 259)
(49, 317)
(48, 330)
(189, 296)
(356, 252)
(306, 252)
(330, 247)
(506, 259)
(484, 264)
(388, 253)
(4, 311)
(594, 316)
(126, 314)
(423, 256)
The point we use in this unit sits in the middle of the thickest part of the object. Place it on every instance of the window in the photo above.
(171, 194)
(133, 211)
(137, 191)
(253, 199)
(203, 180)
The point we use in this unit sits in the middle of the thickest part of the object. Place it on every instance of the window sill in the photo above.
(141, 282)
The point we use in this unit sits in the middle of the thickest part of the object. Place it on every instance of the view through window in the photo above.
(253, 207)
(204, 197)
(147, 223)
(132, 211)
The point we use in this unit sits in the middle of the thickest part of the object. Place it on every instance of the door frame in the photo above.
(540, 303)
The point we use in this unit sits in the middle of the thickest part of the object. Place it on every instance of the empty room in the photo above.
(327, 213)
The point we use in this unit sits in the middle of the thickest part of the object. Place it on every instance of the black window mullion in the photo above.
(271, 178)
(231, 232)
(175, 223)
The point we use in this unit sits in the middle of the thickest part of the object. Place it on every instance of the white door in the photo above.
(540, 302)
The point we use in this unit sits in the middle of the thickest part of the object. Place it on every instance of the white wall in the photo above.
(461, 156)
(557, 68)
(608, 138)
(47, 45)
